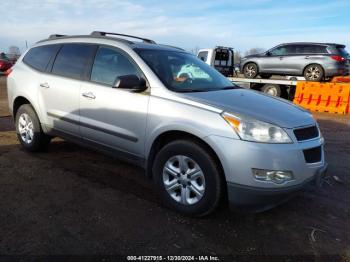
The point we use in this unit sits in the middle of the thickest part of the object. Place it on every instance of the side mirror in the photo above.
(130, 82)
(268, 53)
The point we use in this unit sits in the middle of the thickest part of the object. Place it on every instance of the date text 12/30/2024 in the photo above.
(173, 258)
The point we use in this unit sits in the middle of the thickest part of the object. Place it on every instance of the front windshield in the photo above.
(183, 72)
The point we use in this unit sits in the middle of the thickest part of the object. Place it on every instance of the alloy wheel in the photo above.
(184, 180)
(313, 73)
(26, 128)
(250, 71)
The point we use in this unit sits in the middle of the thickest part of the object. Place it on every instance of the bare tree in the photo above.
(237, 56)
(254, 51)
(195, 50)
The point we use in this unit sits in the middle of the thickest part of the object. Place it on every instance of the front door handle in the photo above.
(45, 85)
(281, 57)
(89, 95)
(307, 57)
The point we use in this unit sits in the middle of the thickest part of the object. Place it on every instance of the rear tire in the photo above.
(188, 178)
(313, 72)
(271, 89)
(29, 131)
(250, 70)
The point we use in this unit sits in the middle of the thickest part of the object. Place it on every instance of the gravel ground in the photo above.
(74, 201)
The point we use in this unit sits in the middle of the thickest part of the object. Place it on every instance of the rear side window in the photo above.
(203, 56)
(313, 49)
(39, 57)
(73, 60)
(299, 49)
(109, 64)
(290, 49)
(306, 49)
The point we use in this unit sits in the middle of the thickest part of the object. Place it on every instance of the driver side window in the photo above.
(279, 51)
(110, 64)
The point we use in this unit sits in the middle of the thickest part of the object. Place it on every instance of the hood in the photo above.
(256, 105)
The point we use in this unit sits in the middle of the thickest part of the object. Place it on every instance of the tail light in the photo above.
(338, 58)
(8, 72)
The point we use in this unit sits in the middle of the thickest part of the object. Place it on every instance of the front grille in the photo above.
(313, 155)
(306, 133)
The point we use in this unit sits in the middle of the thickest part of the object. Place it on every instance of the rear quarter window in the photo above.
(73, 60)
(314, 49)
(39, 57)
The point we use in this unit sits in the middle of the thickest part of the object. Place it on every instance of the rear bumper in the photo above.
(255, 199)
(340, 70)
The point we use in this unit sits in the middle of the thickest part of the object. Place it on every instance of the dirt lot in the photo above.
(70, 200)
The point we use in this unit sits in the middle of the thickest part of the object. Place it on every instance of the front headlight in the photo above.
(255, 130)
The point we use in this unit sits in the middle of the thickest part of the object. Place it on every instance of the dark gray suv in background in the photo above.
(314, 61)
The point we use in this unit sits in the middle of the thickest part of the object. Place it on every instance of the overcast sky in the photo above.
(241, 24)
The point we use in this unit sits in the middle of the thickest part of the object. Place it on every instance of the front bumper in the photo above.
(239, 157)
(260, 199)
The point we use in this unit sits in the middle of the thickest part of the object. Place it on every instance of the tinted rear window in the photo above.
(338, 50)
(39, 57)
(73, 59)
(343, 52)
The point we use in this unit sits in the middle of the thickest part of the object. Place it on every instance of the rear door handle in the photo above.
(89, 95)
(45, 85)
(307, 57)
(281, 57)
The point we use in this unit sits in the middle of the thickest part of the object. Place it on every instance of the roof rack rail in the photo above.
(179, 48)
(99, 33)
(55, 36)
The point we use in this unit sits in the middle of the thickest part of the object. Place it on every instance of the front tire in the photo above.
(188, 178)
(250, 70)
(29, 131)
(314, 72)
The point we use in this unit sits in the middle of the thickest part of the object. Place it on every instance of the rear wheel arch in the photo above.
(306, 66)
(20, 100)
(312, 64)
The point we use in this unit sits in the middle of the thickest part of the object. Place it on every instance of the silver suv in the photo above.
(314, 61)
(201, 138)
